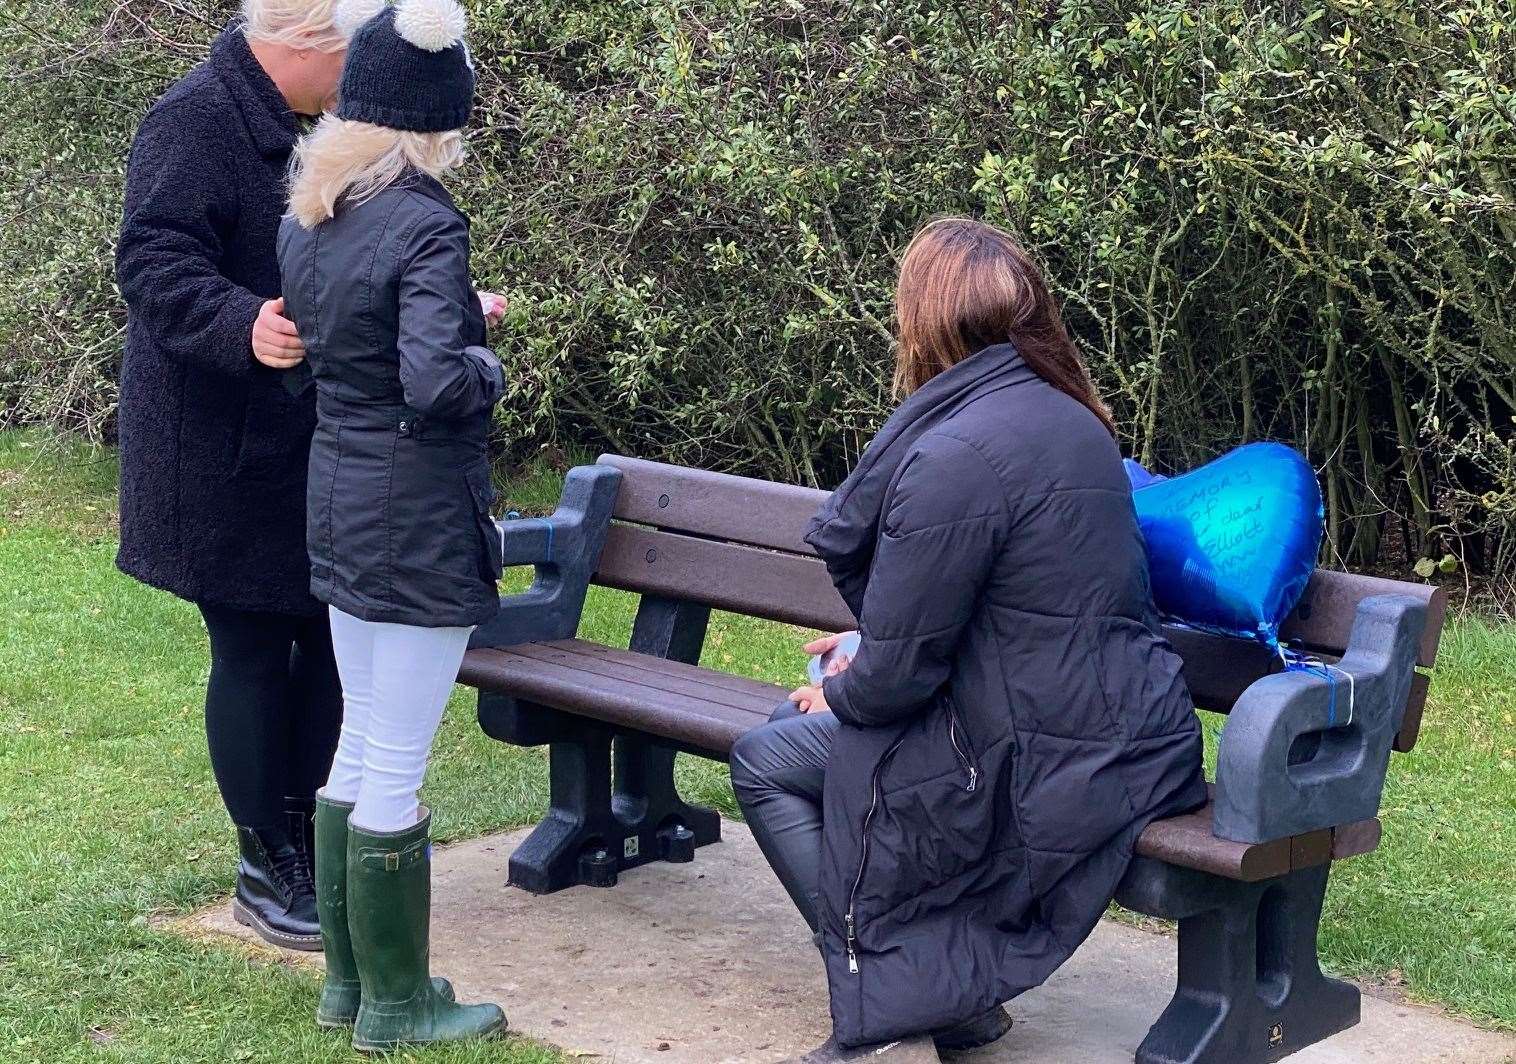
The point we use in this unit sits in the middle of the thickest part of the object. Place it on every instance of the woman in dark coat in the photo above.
(213, 444)
(403, 549)
(953, 811)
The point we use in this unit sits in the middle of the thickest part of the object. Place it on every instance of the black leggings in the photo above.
(778, 772)
(273, 709)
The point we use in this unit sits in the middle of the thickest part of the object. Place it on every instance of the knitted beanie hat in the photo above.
(407, 66)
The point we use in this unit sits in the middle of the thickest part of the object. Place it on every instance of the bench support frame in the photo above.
(613, 801)
(1250, 987)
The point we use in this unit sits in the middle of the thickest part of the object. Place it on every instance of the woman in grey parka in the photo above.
(375, 260)
(953, 811)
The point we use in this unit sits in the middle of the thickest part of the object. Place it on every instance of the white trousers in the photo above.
(396, 679)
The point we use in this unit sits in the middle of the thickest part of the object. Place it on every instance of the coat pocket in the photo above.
(492, 546)
(276, 434)
(923, 839)
(934, 822)
(963, 747)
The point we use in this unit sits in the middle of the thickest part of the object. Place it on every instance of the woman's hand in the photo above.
(827, 644)
(276, 341)
(493, 307)
(810, 700)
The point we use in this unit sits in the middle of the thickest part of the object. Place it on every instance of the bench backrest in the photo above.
(734, 543)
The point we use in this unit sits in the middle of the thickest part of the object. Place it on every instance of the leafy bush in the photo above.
(1290, 221)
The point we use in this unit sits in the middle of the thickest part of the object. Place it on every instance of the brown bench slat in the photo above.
(1217, 669)
(657, 673)
(1187, 841)
(797, 590)
(1323, 619)
(1311, 849)
(716, 505)
(727, 576)
(1353, 840)
(1415, 706)
(642, 706)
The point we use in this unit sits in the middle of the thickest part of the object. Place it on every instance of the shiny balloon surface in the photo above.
(1232, 544)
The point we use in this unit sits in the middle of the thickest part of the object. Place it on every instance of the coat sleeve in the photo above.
(442, 376)
(181, 202)
(942, 529)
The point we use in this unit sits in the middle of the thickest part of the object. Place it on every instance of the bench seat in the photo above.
(704, 712)
(700, 710)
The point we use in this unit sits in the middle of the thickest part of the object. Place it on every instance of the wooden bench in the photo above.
(1300, 771)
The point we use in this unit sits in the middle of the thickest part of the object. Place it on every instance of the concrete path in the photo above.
(708, 963)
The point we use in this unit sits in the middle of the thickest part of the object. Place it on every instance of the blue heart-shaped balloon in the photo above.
(1231, 545)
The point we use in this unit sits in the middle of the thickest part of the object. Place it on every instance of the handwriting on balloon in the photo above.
(1232, 544)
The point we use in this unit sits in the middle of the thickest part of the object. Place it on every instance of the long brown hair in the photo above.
(965, 285)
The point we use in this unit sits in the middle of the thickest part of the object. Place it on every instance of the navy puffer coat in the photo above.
(1013, 718)
(399, 525)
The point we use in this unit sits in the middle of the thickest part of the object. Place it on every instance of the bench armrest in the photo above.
(1292, 759)
(565, 548)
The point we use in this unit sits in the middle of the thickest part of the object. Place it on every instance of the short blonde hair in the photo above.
(294, 24)
(355, 161)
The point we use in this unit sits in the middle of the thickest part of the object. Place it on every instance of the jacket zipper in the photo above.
(868, 820)
(960, 747)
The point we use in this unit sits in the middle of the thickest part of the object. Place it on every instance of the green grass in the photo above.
(1434, 908)
(109, 817)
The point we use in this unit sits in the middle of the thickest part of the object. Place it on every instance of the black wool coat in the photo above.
(1013, 717)
(213, 447)
(400, 494)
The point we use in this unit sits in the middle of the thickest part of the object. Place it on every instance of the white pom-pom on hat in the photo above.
(431, 25)
(350, 14)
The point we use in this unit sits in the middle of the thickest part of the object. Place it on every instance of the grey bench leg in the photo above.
(599, 823)
(613, 802)
(646, 799)
(1250, 988)
(645, 794)
(574, 842)
(594, 829)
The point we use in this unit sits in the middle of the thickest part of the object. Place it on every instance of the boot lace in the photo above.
(292, 875)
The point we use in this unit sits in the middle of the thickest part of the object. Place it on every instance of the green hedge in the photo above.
(1283, 221)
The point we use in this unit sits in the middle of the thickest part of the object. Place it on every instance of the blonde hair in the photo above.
(342, 160)
(294, 24)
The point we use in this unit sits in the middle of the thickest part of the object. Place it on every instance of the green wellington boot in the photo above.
(343, 990)
(389, 909)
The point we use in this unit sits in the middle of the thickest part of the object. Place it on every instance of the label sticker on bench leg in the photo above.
(631, 847)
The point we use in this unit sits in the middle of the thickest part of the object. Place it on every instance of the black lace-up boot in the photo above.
(276, 895)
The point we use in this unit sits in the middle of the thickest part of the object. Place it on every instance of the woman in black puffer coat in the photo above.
(953, 811)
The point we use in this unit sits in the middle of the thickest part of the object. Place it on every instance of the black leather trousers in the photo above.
(778, 771)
